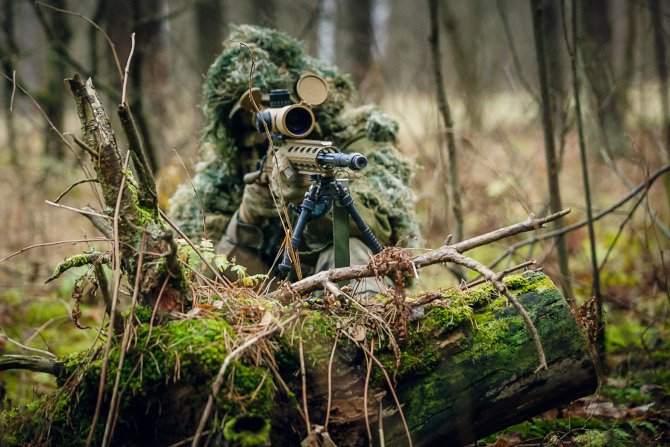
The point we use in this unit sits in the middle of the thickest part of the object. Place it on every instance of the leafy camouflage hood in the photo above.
(276, 60)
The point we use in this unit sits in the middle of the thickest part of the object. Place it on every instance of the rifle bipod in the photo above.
(325, 191)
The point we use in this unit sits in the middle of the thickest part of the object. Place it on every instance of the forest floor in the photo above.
(503, 179)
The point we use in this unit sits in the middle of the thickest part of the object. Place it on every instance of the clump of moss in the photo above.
(247, 431)
(20, 425)
(528, 281)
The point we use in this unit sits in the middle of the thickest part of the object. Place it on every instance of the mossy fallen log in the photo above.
(465, 369)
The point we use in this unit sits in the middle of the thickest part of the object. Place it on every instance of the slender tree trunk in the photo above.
(148, 69)
(445, 111)
(8, 54)
(465, 64)
(600, 326)
(93, 38)
(326, 30)
(662, 69)
(555, 64)
(358, 15)
(210, 25)
(555, 203)
(57, 28)
(597, 48)
(629, 68)
(265, 12)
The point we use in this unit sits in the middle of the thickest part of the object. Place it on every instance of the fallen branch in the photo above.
(447, 253)
(77, 210)
(100, 224)
(31, 363)
(69, 188)
(439, 255)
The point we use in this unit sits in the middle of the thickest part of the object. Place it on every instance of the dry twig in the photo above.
(114, 404)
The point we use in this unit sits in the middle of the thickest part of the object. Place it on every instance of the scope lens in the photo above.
(298, 121)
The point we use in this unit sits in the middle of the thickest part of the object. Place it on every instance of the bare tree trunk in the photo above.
(93, 38)
(574, 54)
(629, 68)
(555, 203)
(555, 64)
(210, 25)
(326, 30)
(597, 48)
(8, 54)
(445, 110)
(358, 50)
(662, 69)
(265, 12)
(148, 76)
(58, 31)
(465, 65)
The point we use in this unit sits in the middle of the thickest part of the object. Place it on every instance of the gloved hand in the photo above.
(257, 204)
(284, 182)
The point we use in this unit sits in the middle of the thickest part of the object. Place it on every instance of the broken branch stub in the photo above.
(137, 204)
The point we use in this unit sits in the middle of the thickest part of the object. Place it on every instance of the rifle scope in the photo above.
(290, 120)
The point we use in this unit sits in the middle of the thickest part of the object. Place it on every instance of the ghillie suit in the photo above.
(381, 192)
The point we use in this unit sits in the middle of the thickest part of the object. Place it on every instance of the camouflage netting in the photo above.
(382, 191)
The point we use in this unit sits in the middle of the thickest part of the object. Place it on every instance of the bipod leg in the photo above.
(346, 201)
(306, 210)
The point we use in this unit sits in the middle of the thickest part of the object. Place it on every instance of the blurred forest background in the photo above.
(494, 136)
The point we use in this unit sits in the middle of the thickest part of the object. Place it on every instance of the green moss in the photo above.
(19, 425)
(71, 262)
(417, 360)
(441, 319)
(528, 282)
(499, 346)
(318, 333)
(247, 431)
(180, 355)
